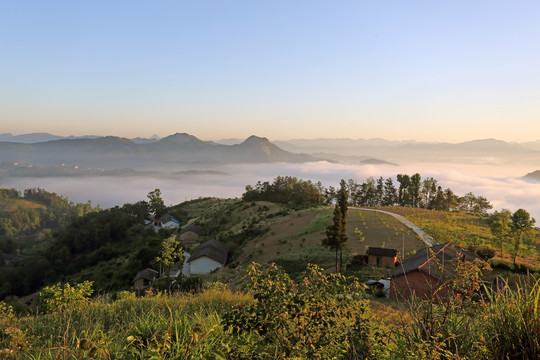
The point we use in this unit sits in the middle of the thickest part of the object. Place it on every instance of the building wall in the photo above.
(189, 237)
(203, 265)
(414, 282)
(142, 284)
(171, 225)
(385, 260)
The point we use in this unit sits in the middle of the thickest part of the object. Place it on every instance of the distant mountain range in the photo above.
(118, 152)
(42, 137)
(114, 152)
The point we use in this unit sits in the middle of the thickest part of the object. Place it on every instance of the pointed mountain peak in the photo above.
(256, 140)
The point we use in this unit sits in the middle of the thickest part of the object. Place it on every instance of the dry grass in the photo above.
(10, 205)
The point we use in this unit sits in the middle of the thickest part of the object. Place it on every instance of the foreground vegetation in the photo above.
(316, 317)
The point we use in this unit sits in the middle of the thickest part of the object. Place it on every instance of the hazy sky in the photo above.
(424, 70)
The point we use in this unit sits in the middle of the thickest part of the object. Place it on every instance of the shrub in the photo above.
(317, 317)
(12, 338)
(486, 252)
(216, 285)
(63, 296)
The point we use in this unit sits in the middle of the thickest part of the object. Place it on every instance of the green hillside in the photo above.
(110, 246)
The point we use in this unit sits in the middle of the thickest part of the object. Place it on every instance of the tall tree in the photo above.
(450, 200)
(404, 183)
(390, 197)
(157, 206)
(499, 224)
(333, 231)
(414, 189)
(428, 192)
(379, 192)
(521, 224)
(336, 233)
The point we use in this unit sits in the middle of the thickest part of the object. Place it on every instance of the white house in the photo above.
(207, 257)
(166, 222)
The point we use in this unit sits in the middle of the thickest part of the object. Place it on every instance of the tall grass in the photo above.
(505, 325)
(163, 326)
(514, 322)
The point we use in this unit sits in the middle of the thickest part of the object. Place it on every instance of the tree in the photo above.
(336, 233)
(156, 204)
(499, 224)
(404, 183)
(521, 224)
(414, 189)
(390, 193)
(171, 252)
(428, 192)
(450, 200)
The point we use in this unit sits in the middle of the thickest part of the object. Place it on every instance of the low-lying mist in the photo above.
(501, 185)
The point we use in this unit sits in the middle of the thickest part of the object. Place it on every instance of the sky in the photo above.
(423, 70)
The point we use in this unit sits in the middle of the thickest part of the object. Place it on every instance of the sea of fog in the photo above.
(501, 185)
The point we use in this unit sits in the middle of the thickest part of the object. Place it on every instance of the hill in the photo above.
(533, 176)
(110, 246)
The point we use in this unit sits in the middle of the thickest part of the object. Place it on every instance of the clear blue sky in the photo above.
(424, 70)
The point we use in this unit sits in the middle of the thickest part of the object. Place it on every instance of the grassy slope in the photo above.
(466, 229)
(10, 205)
(293, 238)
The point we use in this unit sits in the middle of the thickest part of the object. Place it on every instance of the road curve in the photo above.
(418, 230)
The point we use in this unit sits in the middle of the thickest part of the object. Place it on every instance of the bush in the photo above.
(64, 296)
(191, 284)
(317, 317)
(486, 252)
(508, 265)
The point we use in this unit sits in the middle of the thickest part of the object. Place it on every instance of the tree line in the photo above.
(410, 190)
(84, 241)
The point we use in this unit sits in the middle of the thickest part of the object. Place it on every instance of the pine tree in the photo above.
(336, 233)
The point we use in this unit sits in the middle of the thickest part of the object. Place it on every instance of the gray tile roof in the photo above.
(166, 218)
(148, 274)
(213, 249)
(378, 251)
(192, 227)
(435, 261)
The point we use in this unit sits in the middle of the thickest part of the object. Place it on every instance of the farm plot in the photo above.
(369, 228)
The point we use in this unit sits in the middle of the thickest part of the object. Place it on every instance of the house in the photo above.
(381, 256)
(190, 234)
(425, 273)
(207, 257)
(167, 222)
(145, 279)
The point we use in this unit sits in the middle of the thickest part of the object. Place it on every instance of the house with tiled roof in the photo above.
(207, 257)
(425, 273)
(190, 234)
(145, 279)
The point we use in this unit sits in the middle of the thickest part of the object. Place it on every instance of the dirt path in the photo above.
(418, 230)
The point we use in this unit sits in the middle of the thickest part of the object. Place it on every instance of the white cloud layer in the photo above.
(500, 185)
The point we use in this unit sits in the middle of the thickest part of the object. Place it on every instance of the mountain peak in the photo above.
(253, 139)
